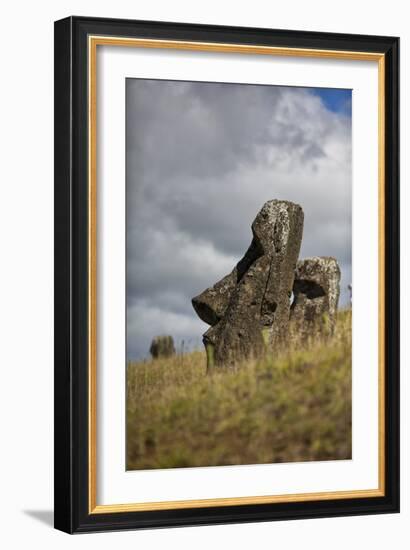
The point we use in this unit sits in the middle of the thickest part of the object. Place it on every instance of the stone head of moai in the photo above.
(249, 310)
(162, 346)
(316, 295)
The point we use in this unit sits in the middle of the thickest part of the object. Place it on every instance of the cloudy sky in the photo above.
(202, 158)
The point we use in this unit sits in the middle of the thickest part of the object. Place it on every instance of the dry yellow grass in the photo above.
(293, 407)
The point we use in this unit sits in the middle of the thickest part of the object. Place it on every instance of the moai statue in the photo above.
(248, 310)
(316, 295)
(162, 346)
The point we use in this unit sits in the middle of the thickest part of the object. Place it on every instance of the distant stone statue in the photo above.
(250, 310)
(316, 294)
(162, 346)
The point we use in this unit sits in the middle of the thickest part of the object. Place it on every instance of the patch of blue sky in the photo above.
(335, 99)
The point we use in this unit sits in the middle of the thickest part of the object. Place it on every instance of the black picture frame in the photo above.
(71, 492)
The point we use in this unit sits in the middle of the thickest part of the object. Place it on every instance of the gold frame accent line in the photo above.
(93, 42)
(382, 252)
(96, 40)
(92, 278)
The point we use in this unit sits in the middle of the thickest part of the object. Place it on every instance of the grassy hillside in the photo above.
(293, 407)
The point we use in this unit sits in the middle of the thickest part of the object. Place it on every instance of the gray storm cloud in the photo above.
(202, 158)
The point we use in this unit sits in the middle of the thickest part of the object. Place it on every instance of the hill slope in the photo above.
(294, 407)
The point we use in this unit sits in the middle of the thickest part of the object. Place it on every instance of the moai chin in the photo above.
(249, 309)
(316, 295)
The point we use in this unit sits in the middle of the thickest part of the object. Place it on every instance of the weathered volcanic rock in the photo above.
(162, 346)
(316, 294)
(249, 308)
(212, 303)
(279, 228)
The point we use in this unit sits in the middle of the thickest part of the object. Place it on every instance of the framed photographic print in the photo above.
(226, 274)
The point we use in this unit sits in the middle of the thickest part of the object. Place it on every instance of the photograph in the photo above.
(238, 274)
